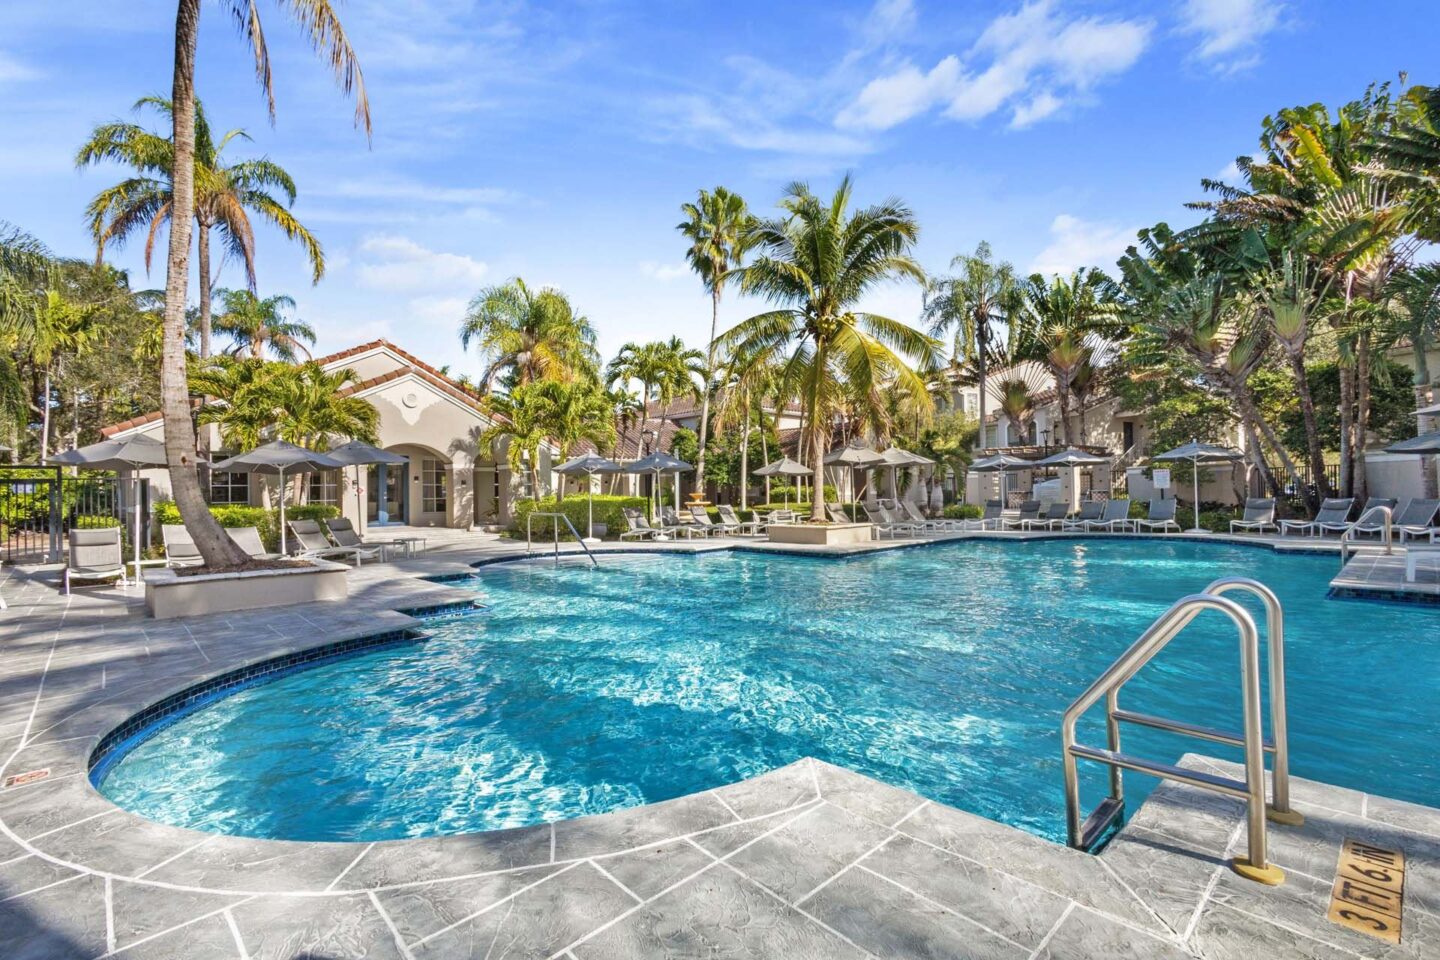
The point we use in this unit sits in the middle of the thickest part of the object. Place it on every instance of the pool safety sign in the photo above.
(1369, 890)
(1160, 476)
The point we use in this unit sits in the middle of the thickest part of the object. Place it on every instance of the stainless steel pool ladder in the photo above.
(1386, 533)
(555, 527)
(1256, 865)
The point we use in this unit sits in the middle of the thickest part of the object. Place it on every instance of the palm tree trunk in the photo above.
(215, 547)
(1064, 397)
(1312, 433)
(45, 417)
(817, 438)
(705, 396)
(982, 344)
(1347, 430)
(744, 456)
(202, 258)
(1362, 415)
(764, 449)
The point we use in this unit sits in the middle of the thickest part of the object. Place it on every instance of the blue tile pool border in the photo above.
(170, 710)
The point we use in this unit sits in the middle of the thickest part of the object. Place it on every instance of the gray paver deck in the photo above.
(809, 860)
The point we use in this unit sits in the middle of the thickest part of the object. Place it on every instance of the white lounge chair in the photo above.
(938, 524)
(180, 549)
(703, 522)
(94, 555)
(343, 532)
(884, 524)
(1161, 517)
(248, 539)
(1416, 520)
(732, 519)
(1364, 524)
(1051, 516)
(1259, 515)
(1029, 510)
(315, 546)
(1116, 517)
(989, 518)
(1090, 510)
(1333, 512)
(638, 525)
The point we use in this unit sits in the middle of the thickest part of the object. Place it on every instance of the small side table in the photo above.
(411, 545)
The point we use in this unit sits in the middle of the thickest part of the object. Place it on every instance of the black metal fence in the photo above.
(40, 505)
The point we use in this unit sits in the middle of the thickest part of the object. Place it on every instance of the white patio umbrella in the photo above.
(855, 456)
(1001, 463)
(895, 458)
(359, 454)
(784, 467)
(1074, 458)
(657, 463)
(589, 464)
(277, 457)
(131, 453)
(1198, 453)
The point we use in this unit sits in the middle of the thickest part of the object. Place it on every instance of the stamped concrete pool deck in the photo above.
(807, 861)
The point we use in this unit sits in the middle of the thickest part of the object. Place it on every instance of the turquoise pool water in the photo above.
(943, 669)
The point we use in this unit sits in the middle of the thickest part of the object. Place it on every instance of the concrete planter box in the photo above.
(820, 534)
(168, 595)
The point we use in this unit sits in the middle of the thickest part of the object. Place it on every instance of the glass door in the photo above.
(385, 494)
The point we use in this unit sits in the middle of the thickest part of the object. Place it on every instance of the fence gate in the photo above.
(39, 506)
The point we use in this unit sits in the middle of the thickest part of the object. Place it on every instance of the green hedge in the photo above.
(963, 511)
(240, 515)
(778, 491)
(577, 507)
(93, 521)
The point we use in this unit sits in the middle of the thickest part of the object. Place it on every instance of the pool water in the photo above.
(943, 669)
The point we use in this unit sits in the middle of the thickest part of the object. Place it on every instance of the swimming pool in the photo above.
(943, 669)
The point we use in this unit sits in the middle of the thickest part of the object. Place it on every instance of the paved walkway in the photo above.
(806, 861)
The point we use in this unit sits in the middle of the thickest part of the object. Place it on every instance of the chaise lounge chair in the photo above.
(342, 531)
(314, 545)
(1115, 517)
(749, 528)
(94, 555)
(1052, 516)
(703, 522)
(1162, 516)
(1090, 510)
(1259, 514)
(936, 524)
(180, 549)
(1029, 510)
(248, 539)
(1364, 524)
(989, 518)
(1417, 520)
(638, 526)
(884, 524)
(1332, 513)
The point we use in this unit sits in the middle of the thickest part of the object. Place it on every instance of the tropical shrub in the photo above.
(608, 510)
(963, 511)
(779, 492)
(241, 515)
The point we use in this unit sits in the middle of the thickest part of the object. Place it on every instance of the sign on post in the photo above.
(1160, 476)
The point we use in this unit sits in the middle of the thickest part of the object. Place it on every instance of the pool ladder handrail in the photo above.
(1166, 627)
(1386, 532)
(555, 527)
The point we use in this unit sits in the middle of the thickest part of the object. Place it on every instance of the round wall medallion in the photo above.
(410, 400)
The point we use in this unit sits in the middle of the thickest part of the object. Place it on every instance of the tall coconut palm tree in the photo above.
(815, 263)
(226, 194)
(1062, 326)
(520, 424)
(528, 335)
(971, 306)
(716, 225)
(572, 413)
(318, 20)
(255, 325)
(665, 369)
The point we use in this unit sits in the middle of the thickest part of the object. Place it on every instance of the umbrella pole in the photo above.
(359, 506)
(590, 496)
(1196, 465)
(136, 511)
(283, 549)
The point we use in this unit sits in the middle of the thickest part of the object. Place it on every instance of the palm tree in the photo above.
(1061, 326)
(520, 421)
(225, 196)
(254, 325)
(572, 413)
(815, 263)
(56, 326)
(529, 335)
(1417, 321)
(1017, 405)
(716, 225)
(239, 400)
(318, 20)
(25, 267)
(665, 370)
(971, 305)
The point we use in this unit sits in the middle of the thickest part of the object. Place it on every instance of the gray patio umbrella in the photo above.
(1001, 463)
(855, 456)
(1198, 453)
(784, 467)
(130, 453)
(277, 457)
(359, 454)
(1073, 458)
(895, 458)
(1425, 443)
(589, 464)
(657, 463)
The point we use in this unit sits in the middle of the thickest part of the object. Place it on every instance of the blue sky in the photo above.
(557, 141)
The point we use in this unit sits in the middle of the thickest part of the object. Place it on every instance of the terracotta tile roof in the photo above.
(417, 366)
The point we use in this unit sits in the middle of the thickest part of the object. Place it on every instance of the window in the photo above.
(229, 488)
(325, 487)
(433, 486)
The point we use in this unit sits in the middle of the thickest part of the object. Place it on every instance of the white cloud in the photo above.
(887, 22)
(13, 71)
(1033, 61)
(1230, 173)
(736, 123)
(395, 263)
(663, 271)
(1230, 30)
(414, 191)
(439, 310)
(1076, 243)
